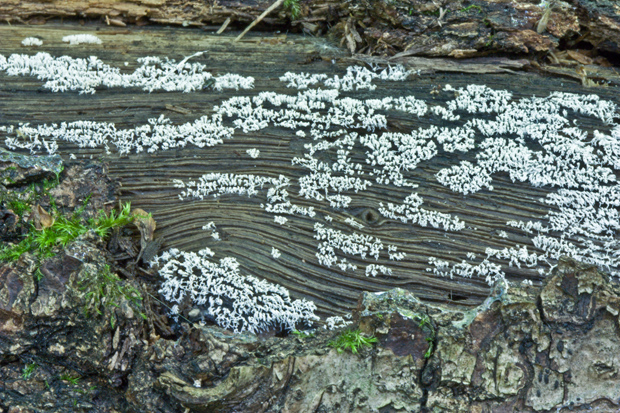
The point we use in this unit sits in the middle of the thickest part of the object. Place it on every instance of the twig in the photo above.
(224, 26)
(271, 8)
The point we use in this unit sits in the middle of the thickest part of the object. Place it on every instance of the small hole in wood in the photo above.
(370, 216)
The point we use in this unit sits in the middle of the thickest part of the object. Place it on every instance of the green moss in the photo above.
(104, 223)
(490, 41)
(351, 340)
(38, 275)
(64, 230)
(294, 7)
(426, 325)
(13, 252)
(69, 378)
(106, 289)
(18, 206)
(28, 370)
(302, 334)
(472, 6)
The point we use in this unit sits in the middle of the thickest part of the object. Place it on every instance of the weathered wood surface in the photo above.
(249, 233)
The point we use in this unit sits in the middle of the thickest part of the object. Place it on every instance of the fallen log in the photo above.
(247, 232)
(442, 343)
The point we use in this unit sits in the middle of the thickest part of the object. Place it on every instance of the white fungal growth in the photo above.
(336, 322)
(528, 227)
(355, 244)
(32, 41)
(517, 256)
(81, 38)
(353, 223)
(356, 78)
(237, 302)
(375, 269)
(65, 73)
(211, 227)
(410, 212)
(254, 153)
(279, 219)
(465, 178)
(393, 154)
(394, 254)
(490, 271)
(158, 134)
(232, 81)
(275, 253)
(218, 184)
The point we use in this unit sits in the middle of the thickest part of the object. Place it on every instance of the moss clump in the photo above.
(302, 334)
(351, 340)
(294, 7)
(65, 229)
(107, 289)
(28, 370)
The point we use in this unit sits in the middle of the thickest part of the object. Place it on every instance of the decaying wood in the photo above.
(458, 28)
(247, 232)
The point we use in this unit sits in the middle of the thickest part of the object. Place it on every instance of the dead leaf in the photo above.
(145, 224)
(41, 219)
(581, 58)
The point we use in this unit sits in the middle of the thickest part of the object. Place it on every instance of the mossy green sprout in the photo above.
(38, 275)
(106, 289)
(69, 378)
(28, 370)
(426, 325)
(470, 7)
(104, 223)
(302, 334)
(351, 340)
(490, 41)
(294, 7)
(19, 206)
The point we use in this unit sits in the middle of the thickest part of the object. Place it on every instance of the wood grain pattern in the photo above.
(248, 232)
